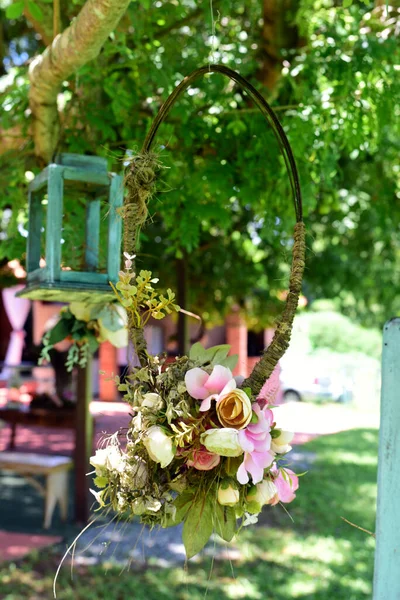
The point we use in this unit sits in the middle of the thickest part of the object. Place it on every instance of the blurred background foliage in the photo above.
(224, 205)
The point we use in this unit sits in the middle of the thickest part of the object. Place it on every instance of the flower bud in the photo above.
(224, 442)
(159, 446)
(281, 443)
(228, 495)
(263, 493)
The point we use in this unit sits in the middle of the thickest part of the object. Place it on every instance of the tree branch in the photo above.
(277, 33)
(80, 43)
(44, 27)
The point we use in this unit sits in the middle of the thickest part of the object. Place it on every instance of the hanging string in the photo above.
(214, 41)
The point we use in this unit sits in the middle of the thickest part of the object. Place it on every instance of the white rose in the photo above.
(281, 444)
(109, 458)
(228, 496)
(224, 442)
(263, 492)
(159, 446)
(98, 461)
(115, 460)
(80, 311)
(118, 338)
(151, 400)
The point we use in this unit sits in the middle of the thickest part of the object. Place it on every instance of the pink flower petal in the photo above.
(218, 379)
(195, 380)
(230, 386)
(245, 441)
(263, 459)
(287, 487)
(206, 404)
(265, 419)
(241, 474)
(263, 445)
(256, 471)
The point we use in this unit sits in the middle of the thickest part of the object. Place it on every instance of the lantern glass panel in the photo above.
(84, 229)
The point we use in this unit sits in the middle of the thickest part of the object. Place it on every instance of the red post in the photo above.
(108, 362)
(236, 337)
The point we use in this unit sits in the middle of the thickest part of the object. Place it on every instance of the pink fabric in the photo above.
(270, 392)
(17, 310)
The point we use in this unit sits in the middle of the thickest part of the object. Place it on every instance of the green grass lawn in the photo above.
(319, 556)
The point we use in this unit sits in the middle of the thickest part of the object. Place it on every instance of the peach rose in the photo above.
(234, 409)
(204, 460)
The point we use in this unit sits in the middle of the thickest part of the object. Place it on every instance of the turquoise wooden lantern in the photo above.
(70, 258)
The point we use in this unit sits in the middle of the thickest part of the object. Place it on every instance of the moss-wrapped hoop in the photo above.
(140, 182)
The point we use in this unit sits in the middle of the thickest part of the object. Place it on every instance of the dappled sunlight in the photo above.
(317, 557)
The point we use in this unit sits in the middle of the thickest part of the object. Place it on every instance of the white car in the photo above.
(315, 384)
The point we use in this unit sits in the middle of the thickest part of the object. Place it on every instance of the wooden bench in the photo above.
(54, 468)
(37, 417)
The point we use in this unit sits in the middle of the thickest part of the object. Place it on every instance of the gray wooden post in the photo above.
(387, 554)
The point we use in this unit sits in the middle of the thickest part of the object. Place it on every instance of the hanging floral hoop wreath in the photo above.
(202, 447)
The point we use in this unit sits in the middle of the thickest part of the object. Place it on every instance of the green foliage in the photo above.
(224, 518)
(140, 299)
(198, 525)
(35, 10)
(217, 355)
(82, 335)
(330, 330)
(15, 10)
(224, 202)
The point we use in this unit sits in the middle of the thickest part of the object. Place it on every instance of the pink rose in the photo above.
(204, 460)
(286, 485)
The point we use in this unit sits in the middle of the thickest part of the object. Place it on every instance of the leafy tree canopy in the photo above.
(224, 203)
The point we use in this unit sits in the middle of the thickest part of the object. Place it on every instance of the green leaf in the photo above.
(79, 327)
(15, 10)
(275, 433)
(59, 332)
(253, 508)
(181, 504)
(35, 10)
(110, 319)
(92, 342)
(347, 3)
(198, 525)
(100, 482)
(198, 353)
(230, 362)
(218, 353)
(232, 464)
(225, 522)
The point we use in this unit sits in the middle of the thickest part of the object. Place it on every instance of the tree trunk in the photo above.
(277, 34)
